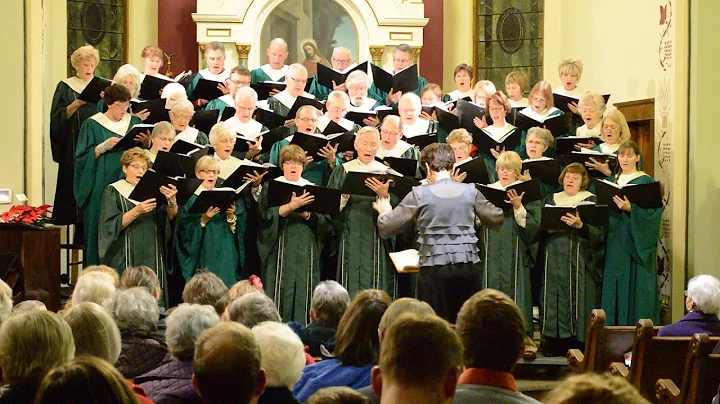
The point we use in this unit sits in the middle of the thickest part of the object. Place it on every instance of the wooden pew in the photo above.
(701, 376)
(603, 345)
(654, 358)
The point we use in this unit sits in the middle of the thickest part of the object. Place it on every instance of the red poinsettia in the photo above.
(26, 214)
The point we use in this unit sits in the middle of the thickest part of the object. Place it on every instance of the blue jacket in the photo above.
(693, 322)
(328, 373)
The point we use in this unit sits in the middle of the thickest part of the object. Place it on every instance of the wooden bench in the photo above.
(603, 345)
(654, 358)
(701, 376)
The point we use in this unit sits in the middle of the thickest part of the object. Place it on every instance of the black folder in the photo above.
(302, 101)
(207, 89)
(447, 121)
(128, 141)
(547, 171)
(227, 113)
(509, 141)
(383, 112)
(327, 200)
(156, 107)
(466, 113)
(311, 144)
(582, 158)
(177, 165)
(308, 83)
(182, 147)
(557, 125)
(325, 75)
(566, 145)
(236, 178)
(264, 88)
(422, 141)
(345, 141)
(204, 120)
(476, 171)
(406, 80)
(561, 101)
(186, 188)
(334, 127)
(92, 91)
(269, 119)
(149, 187)
(406, 167)
(646, 196)
(218, 197)
(241, 143)
(151, 87)
(186, 80)
(498, 197)
(359, 116)
(355, 184)
(592, 214)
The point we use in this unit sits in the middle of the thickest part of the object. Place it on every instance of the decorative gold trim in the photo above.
(401, 36)
(416, 54)
(218, 32)
(243, 51)
(376, 52)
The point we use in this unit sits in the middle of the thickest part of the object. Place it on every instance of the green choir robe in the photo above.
(630, 288)
(220, 104)
(64, 132)
(251, 130)
(142, 242)
(214, 247)
(497, 133)
(506, 257)
(379, 94)
(290, 249)
(572, 275)
(93, 175)
(317, 172)
(266, 73)
(363, 260)
(528, 111)
(206, 74)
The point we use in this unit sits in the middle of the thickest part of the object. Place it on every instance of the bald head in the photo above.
(341, 58)
(277, 52)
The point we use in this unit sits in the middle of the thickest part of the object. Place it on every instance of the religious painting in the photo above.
(509, 37)
(312, 29)
(100, 23)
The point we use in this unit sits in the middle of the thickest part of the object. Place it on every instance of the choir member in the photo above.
(341, 62)
(317, 172)
(222, 139)
(296, 78)
(615, 131)
(133, 232)
(571, 275)
(67, 115)
(570, 70)
(97, 164)
(129, 77)
(337, 105)
(463, 76)
(290, 242)
(461, 143)
(542, 104)
(152, 60)
(172, 93)
(243, 123)
(409, 108)
(215, 71)
(181, 114)
(363, 261)
(431, 96)
(483, 90)
(275, 69)
(516, 83)
(239, 78)
(630, 289)
(537, 142)
(498, 107)
(402, 59)
(391, 143)
(444, 212)
(212, 240)
(358, 84)
(592, 108)
(162, 137)
(505, 251)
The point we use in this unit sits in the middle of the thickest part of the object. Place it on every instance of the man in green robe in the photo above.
(239, 78)
(276, 68)
(215, 71)
(296, 78)
(402, 59)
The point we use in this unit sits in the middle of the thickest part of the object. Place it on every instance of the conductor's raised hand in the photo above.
(381, 189)
(146, 206)
(514, 199)
(296, 202)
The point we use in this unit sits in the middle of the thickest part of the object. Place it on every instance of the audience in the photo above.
(240, 289)
(227, 365)
(593, 388)
(206, 288)
(253, 309)
(144, 277)
(283, 359)
(356, 347)
(492, 332)
(702, 302)
(337, 395)
(172, 382)
(95, 287)
(27, 305)
(136, 313)
(6, 301)
(31, 344)
(329, 301)
(105, 269)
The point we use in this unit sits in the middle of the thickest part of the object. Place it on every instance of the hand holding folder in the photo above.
(325, 200)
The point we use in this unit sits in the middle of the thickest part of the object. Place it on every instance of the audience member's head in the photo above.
(227, 365)
(31, 344)
(594, 388)
(420, 361)
(703, 294)
(28, 305)
(356, 340)
(143, 277)
(253, 309)
(402, 306)
(103, 268)
(329, 301)
(135, 311)
(492, 331)
(6, 301)
(94, 331)
(282, 353)
(93, 287)
(206, 288)
(184, 326)
(244, 287)
(85, 380)
(337, 395)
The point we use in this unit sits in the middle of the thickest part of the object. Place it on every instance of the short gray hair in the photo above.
(253, 309)
(94, 331)
(403, 47)
(132, 71)
(704, 290)
(339, 96)
(248, 92)
(184, 326)
(221, 130)
(6, 302)
(282, 353)
(173, 88)
(95, 286)
(215, 45)
(329, 301)
(357, 76)
(135, 311)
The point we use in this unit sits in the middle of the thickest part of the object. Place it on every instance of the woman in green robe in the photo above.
(630, 288)
(615, 131)
(572, 273)
(210, 240)
(134, 233)
(541, 108)
(537, 142)
(181, 114)
(97, 163)
(67, 114)
(505, 256)
(290, 242)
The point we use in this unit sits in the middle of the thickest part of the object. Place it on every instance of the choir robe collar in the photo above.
(189, 135)
(462, 162)
(583, 131)
(150, 155)
(301, 182)
(275, 75)
(609, 148)
(577, 92)
(201, 188)
(250, 129)
(223, 76)
(528, 111)
(358, 166)
(366, 106)
(519, 104)
(498, 185)
(227, 166)
(324, 121)
(563, 199)
(288, 100)
(124, 188)
(420, 127)
(119, 128)
(227, 99)
(497, 133)
(400, 148)
(457, 94)
(76, 83)
(624, 179)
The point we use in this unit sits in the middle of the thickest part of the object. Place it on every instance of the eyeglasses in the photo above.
(312, 120)
(342, 61)
(246, 109)
(297, 81)
(240, 83)
(337, 109)
(388, 132)
(139, 167)
(182, 117)
(121, 104)
(293, 163)
(211, 172)
(165, 139)
(402, 61)
(496, 108)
